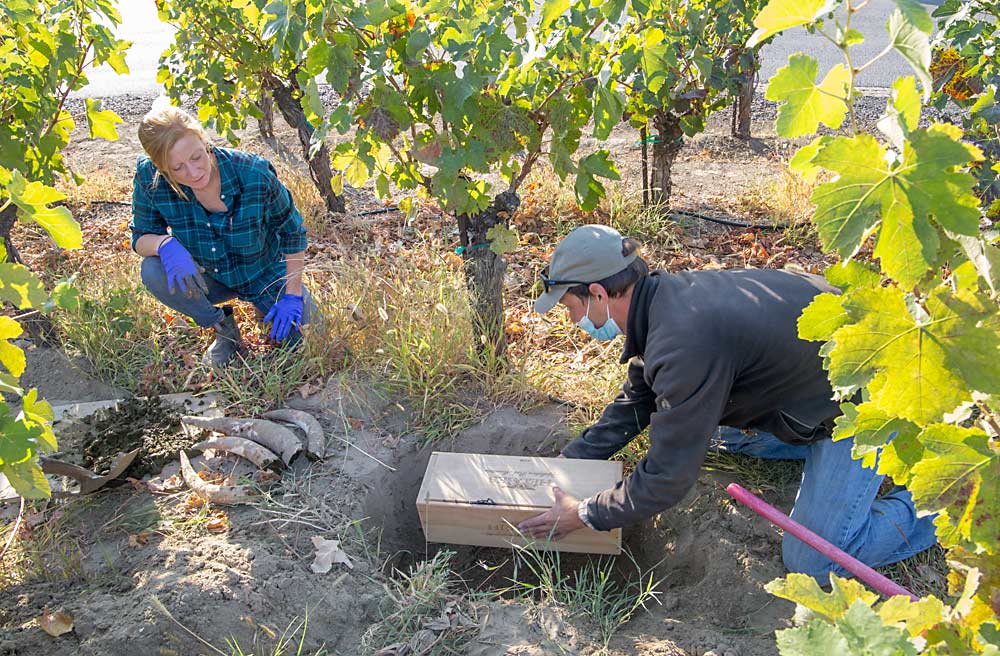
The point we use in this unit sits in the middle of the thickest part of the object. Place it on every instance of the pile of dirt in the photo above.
(149, 424)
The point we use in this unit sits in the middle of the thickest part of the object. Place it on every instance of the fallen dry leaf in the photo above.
(55, 624)
(217, 525)
(138, 539)
(328, 552)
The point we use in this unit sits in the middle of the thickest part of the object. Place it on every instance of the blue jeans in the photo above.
(838, 500)
(202, 308)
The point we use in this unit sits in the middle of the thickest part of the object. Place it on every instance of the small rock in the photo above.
(670, 601)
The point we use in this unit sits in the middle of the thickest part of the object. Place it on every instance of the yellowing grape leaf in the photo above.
(821, 318)
(902, 111)
(780, 15)
(914, 45)
(101, 121)
(914, 616)
(807, 104)
(960, 479)
(11, 357)
(917, 367)
(803, 589)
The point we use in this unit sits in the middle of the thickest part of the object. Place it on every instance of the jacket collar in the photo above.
(637, 326)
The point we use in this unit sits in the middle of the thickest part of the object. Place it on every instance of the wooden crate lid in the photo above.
(512, 480)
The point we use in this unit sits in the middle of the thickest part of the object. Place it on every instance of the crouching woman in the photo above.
(215, 224)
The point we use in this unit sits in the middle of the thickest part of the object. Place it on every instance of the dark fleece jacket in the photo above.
(707, 348)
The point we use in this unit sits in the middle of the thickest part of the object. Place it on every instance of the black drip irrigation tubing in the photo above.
(730, 222)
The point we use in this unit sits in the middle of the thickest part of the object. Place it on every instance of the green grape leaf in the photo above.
(852, 274)
(814, 637)
(917, 368)
(807, 104)
(821, 318)
(960, 480)
(914, 45)
(11, 357)
(101, 122)
(871, 429)
(780, 15)
(20, 287)
(983, 256)
(26, 478)
(502, 239)
(40, 412)
(902, 112)
(552, 10)
(916, 15)
(588, 189)
(925, 182)
(802, 160)
(865, 634)
(66, 296)
(608, 108)
(804, 590)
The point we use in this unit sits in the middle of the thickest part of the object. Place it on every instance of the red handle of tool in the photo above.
(851, 564)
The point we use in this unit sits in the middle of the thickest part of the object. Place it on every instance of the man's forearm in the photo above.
(294, 263)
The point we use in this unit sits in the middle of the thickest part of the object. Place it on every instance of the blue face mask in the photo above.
(605, 333)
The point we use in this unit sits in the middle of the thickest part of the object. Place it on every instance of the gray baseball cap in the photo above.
(587, 254)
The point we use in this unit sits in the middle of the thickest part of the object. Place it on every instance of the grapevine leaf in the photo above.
(608, 108)
(960, 480)
(815, 637)
(902, 111)
(802, 160)
(926, 182)
(780, 15)
(915, 14)
(20, 287)
(822, 317)
(852, 274)
(865, 634)
(34, 199)
(804, 590)
(913, 616)
(101, 121)
(983, 256)
(871, 429)
(918, 368)
(502, 239)
(807, 104)
(40, 413)
(553, 9)
(914, 45)
(11, 357)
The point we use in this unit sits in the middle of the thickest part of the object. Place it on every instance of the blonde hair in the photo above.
(162, 127)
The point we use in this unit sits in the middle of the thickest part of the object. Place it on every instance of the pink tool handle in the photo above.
(851, 564)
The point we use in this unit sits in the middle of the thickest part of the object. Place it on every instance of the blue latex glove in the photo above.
(284, 315)
(180, 268)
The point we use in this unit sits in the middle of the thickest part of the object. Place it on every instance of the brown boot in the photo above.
(227, 340)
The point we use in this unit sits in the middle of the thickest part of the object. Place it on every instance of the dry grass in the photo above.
(99, 184)
(781, 199)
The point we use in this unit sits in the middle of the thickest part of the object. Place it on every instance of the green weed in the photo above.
(594, 590)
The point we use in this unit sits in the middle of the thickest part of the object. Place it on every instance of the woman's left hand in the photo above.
(284, 315)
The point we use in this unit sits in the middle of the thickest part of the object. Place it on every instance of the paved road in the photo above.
(870, 21)
(150, 37)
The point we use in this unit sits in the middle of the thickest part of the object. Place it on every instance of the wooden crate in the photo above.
(476, 499)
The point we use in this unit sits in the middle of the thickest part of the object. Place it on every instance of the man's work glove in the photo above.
(284, 315)
(180, 268)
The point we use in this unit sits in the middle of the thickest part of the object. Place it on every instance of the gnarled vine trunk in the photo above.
(484, 272)
(319, 162)
(740, 127)
(669, 141)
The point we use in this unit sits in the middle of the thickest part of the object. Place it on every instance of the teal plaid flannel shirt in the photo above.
(242, 248)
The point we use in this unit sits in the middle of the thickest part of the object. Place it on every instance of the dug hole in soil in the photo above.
(126, 551)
